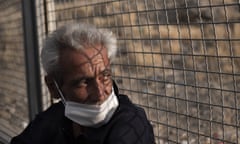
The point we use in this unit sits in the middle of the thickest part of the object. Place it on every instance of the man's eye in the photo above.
(106, 73)
(81, 83)
(107, 77)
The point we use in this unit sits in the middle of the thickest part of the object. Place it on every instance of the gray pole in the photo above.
(32, 58)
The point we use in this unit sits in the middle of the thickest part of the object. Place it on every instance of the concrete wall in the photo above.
(13, 98)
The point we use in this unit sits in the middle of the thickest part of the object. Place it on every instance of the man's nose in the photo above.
(98, 90)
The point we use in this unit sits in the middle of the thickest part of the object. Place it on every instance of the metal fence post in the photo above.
(32, 58)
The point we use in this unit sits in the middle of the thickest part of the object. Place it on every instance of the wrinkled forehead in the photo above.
(93, 54)
(90, 55)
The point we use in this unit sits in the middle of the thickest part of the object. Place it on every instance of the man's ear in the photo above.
(51, 87)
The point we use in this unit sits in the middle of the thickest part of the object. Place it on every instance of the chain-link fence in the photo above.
(178, 59)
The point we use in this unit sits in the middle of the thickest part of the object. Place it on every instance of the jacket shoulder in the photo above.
(130, 124)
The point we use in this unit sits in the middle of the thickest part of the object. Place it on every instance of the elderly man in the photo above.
(76, 59)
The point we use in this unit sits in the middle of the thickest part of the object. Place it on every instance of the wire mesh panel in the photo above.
(13, 99)
(178, 59)
(44, 26)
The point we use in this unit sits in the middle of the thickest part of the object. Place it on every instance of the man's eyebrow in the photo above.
(78, 79)
(106, 70)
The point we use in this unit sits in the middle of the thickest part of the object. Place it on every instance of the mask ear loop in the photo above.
(60, 92)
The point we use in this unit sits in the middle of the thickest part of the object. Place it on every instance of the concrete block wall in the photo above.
(13, 97)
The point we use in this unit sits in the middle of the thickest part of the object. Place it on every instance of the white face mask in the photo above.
(90, 115)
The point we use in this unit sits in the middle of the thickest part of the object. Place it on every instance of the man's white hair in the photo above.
(75, 36)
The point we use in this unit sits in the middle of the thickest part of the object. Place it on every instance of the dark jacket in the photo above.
(128, 125)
